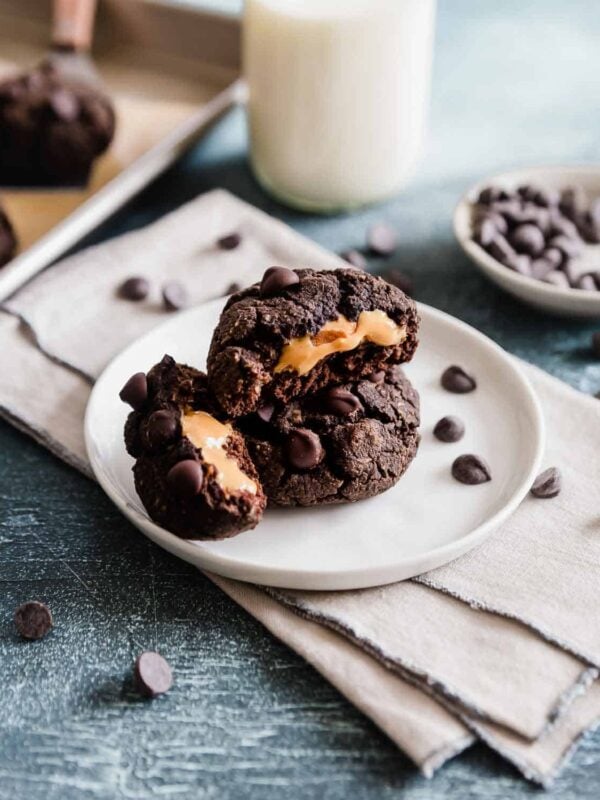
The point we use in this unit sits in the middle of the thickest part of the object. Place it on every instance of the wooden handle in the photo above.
(73, 24)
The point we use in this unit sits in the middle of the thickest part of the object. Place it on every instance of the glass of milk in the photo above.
(338, 97)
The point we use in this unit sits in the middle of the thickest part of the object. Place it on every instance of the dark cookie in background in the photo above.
(192, 471)
(301, 330)
(8, 240)
(338, 445)
(51, 129)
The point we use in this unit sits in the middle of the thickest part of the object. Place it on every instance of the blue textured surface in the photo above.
(515, 83)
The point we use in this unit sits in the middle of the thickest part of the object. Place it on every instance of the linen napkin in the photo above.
(501, 644)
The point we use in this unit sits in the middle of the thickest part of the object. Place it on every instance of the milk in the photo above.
(338, 96)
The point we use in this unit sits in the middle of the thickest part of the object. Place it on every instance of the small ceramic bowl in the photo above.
(545, 296)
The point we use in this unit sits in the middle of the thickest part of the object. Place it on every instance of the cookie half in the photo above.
(301, 330)
(192, 471)
(338, 445)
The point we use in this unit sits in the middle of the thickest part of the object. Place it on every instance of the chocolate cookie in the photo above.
(8, 240)
(339, 445)
(301, 330)
(192, 470)
(51, 129)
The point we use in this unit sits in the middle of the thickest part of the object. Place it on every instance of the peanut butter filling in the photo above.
(210, 436)
(339, 336)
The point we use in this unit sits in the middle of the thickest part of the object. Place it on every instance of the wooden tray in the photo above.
(170, 70)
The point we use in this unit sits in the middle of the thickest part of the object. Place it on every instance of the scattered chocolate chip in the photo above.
(547, 484)
(303, 449)
(276, 279)
(340, 402)
(557, 278)
(136, 288)
(449, 429)
(527, 238)
(265, 412)
(33, 620)
(377, 377)
(135, 391)
(381, 239)
(455, 379)
(354, 257)
(152, 674)
(596, 344)
(233, 288)
(400, 280)
(586, 283)
(471, 470)
(229, 242)
(175, 296)
(162, 427)
(186, 478)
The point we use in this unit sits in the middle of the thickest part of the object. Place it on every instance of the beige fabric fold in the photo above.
(428, 669)
(484, 665)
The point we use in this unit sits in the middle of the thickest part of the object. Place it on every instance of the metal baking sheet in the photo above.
(170, 70)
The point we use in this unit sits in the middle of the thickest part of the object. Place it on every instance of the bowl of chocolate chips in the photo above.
(536, 234)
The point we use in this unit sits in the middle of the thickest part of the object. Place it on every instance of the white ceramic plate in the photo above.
(426, 520)
(565, 302)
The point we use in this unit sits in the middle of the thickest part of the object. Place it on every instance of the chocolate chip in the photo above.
(303, 449)
(484, 214)
(586, 283)
(381, 239)
(135, 391)
(456, 380)
(152, 674)
(486, 231)
(547, 484)
(354, 257)
(520, 263)
(528, 239)
(572, 201)
(64, 104)
(546, 197)
(136, 288)
(563, 227)
(340, 402)
(162, 427)
(233, 288)
(175, 296)
(491, 194)
(557, 278)
(554, 256)
(471, 469)
(596, 344)
(570, 247)
(400, 280)
(33, 620)
(540, 267)
(265, 412)
(377, 377)
(449, 429)
(276, 279)
(186, 478)
(500, 249)
(229, 242)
